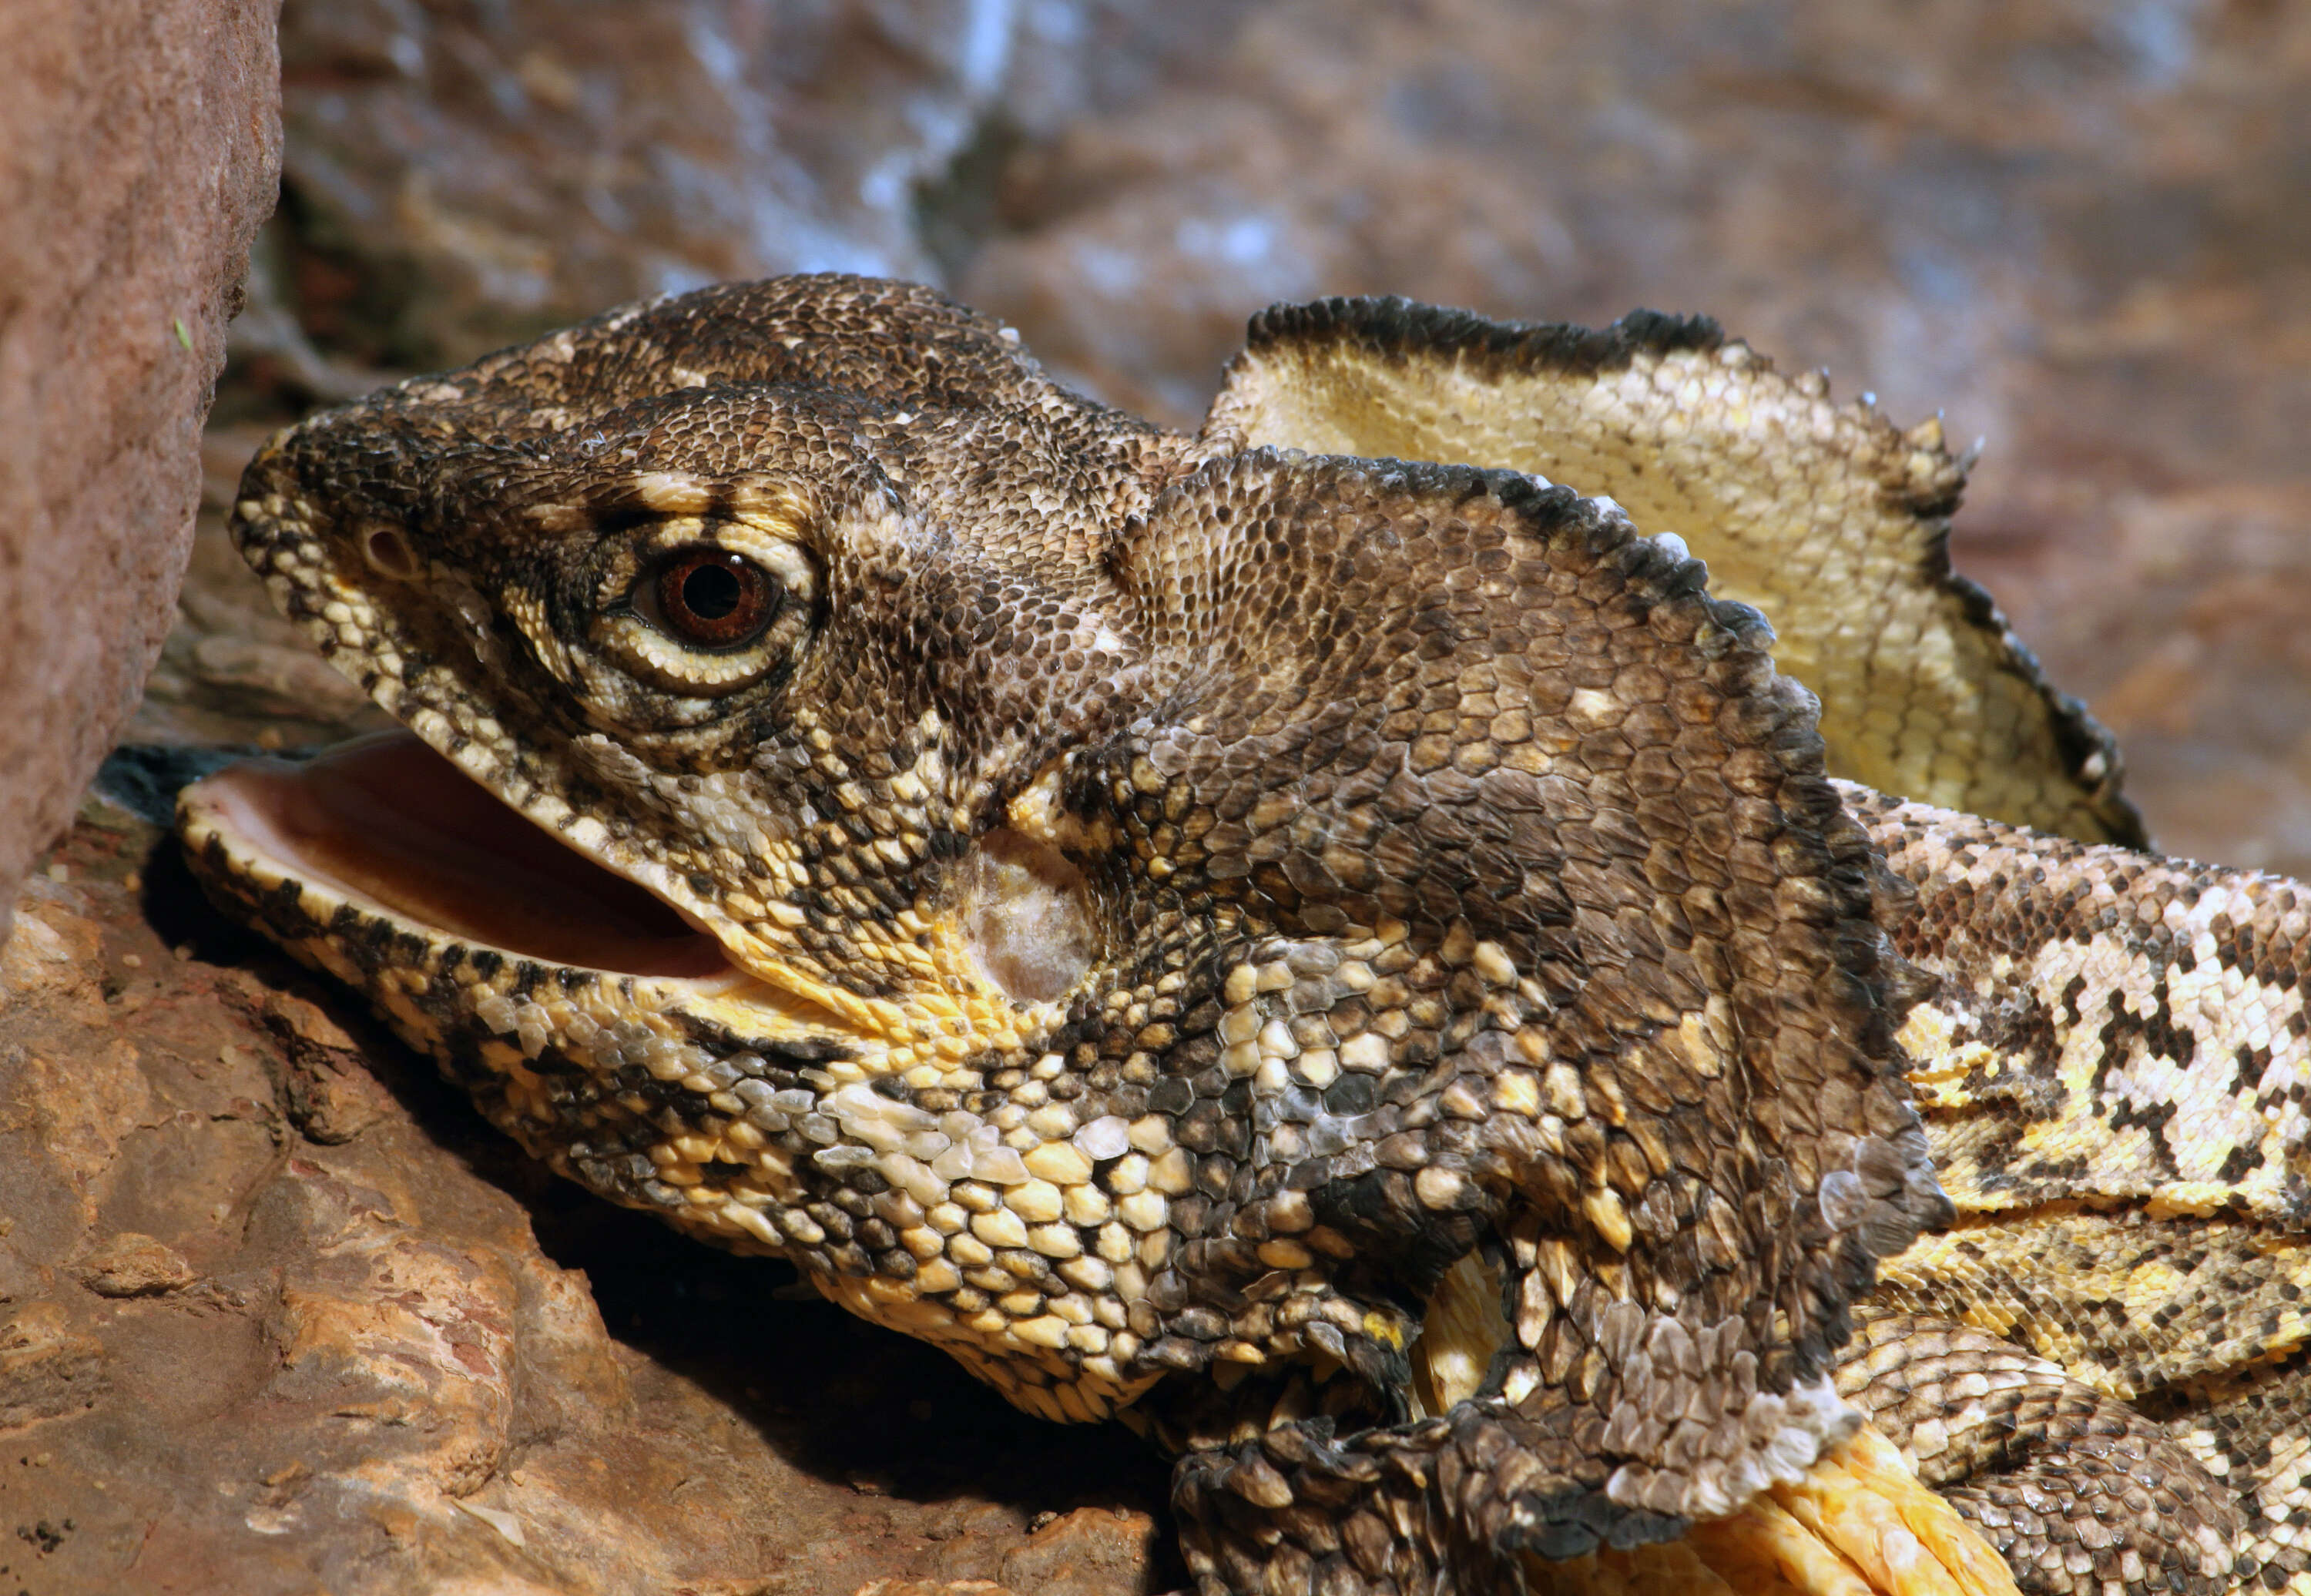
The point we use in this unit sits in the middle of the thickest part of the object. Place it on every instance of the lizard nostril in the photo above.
(389, 554)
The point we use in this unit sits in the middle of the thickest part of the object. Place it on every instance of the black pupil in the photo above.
(711, 592)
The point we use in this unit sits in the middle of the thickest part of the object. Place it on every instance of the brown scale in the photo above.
(2189, 1301)
(1352, 963)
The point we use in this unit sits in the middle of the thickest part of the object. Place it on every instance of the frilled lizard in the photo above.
(1351, 959)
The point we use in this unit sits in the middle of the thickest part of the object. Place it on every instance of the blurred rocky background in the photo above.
(347, 1338)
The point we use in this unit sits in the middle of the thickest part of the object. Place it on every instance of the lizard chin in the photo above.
(389, 825)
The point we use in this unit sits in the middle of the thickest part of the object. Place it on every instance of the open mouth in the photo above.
(386, 822)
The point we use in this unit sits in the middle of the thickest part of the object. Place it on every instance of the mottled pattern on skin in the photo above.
(1354, 965)
(2115, 1073)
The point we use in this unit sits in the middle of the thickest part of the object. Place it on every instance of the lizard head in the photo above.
(1114, 904)
(685, 589)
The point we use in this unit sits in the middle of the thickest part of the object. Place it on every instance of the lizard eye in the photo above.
(711, 597)
(701, 611)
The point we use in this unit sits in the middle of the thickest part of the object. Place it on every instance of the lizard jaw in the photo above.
(398, 832)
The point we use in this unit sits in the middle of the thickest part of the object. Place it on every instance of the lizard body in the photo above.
(1314, 939)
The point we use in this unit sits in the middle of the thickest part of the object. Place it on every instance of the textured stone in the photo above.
(130, 1264)
(1093, 1551)
(461, 176)
(139, 145)
(48, 1366)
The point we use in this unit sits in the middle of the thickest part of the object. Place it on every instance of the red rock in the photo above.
(467, 175)
(47, 1367)
(1093, 1551)
(324, 1086)
(128, 1264)
(139, 144)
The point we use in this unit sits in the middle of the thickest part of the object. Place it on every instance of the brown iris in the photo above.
(715, 598)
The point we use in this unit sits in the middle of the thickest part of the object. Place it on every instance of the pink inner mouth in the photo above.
(386, 818)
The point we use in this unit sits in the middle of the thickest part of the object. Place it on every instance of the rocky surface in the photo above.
(353, 1340)
(459, 176)
(138, 149)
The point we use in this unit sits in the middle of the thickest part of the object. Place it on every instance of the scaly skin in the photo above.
(1356, 965)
